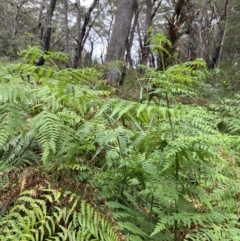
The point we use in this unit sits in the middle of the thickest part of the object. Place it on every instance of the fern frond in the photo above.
(51, 133)
(12, 121)
(133, 228)
(30, 218)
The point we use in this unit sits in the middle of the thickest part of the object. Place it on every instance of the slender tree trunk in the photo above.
(131, 36)
(66, 26)
(145, 55)
(16, 25)
(175, 22)
(200, 28)
(117, 45)
(48, 27)
(220, 37)
(140, 42)
(88, 57)
(194, 32)
(78, 33)
(150, 14)
(148, 24)
(111, 23)
(39, 32)
(82, 32)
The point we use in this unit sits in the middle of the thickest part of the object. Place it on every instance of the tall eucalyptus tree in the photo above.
(117, 45)
(48, 25)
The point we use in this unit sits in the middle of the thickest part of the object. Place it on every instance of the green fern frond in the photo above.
(51, 133)
(133, 228)
(118, 109)
(228, 120)
(30, 219)
(12, 121)
(17, 151)
(86, 76)
(132, 237)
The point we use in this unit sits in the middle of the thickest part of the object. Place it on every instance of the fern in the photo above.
(12, 121)
(193, 151)
(30, 219)
(164, 170)
(228, 120)
(51, 133)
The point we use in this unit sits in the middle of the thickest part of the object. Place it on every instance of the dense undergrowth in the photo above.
(79, 163)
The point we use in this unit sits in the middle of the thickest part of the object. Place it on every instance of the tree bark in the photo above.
(194, 31)
(150, 13)
(220, 36)
(16, 25)
(66, 26)
(48, 27)
(81, 34)
(39, 32)
(131, 36)
(117, 45)
(175, 21)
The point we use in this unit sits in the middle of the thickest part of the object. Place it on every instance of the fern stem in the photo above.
(122, 186)
(169, 117)
(175, 230)
(151, 207)
(176, 201)
(176, 170)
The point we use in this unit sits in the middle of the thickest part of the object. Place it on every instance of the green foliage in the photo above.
(178, 79)
(172, 162)
(158, 41)
(162, 171)
(43, 218)
(230, 114)
(223, 82)
(52, 113)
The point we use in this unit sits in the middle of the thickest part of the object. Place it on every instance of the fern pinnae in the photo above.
(105, 107)
(12, 122)
(118, 106)
(126, 109)
(49, 128)
(131, 227)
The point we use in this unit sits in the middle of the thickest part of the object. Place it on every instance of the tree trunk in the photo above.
(117, 44)
(145, 50)
(66, 26)
(17, 17)
(220, 36)
(131, 36)
(148, 24)
(39, 32)
(82, 33)
(48, 27)
(194, 31)
(175, 22)
(16, 25)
